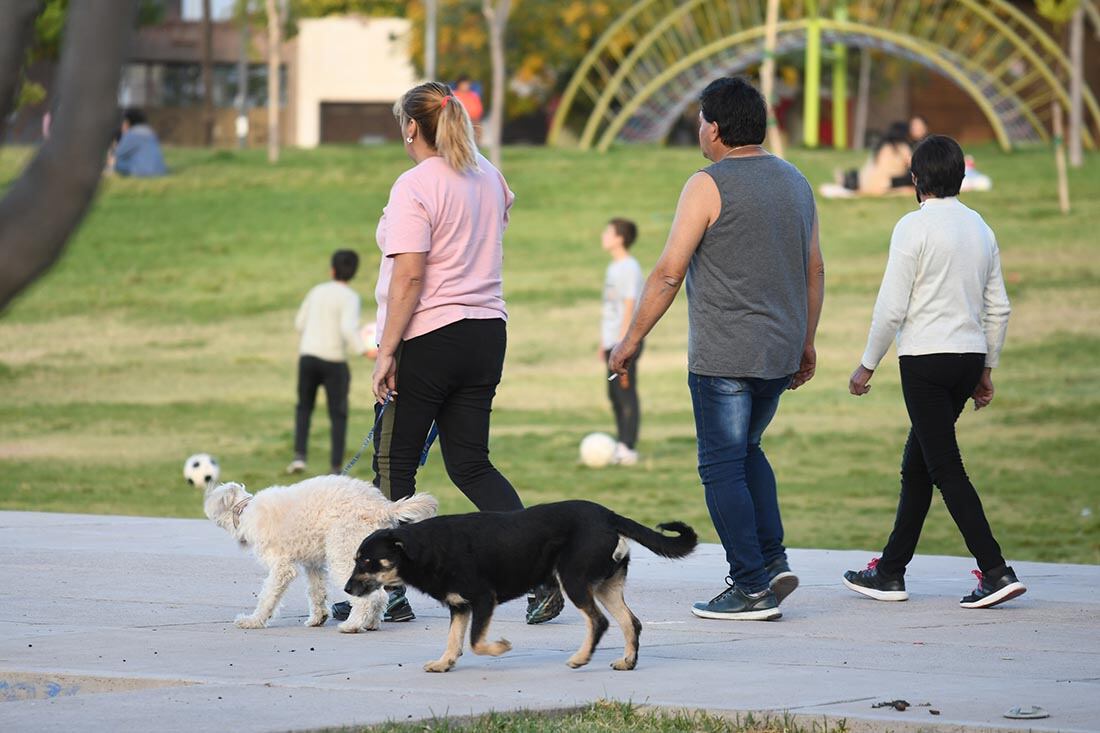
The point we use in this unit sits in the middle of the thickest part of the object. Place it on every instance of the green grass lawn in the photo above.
(167, 330)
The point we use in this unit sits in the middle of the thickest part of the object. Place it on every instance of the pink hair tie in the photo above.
(446, 99)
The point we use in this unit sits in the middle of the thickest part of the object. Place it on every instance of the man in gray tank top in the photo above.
(745, 240)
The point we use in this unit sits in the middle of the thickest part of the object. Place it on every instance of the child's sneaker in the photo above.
(624, 456)
(298, 465)
(994, 588)
(873, 584)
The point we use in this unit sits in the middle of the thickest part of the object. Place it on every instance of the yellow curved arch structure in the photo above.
(656, 58)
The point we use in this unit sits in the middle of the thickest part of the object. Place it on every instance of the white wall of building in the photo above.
(348, 59)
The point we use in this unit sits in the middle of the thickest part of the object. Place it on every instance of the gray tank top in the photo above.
(746, 283)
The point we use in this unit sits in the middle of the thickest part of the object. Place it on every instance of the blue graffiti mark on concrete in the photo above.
(14, 691)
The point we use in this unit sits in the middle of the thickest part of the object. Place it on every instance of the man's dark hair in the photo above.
(738, 108)
(134, 116)
(939, 166)
(344, 264)
(626, 229)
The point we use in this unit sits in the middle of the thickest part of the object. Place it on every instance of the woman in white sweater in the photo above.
(943, 298)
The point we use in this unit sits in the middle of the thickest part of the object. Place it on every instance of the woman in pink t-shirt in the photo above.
(441, 314)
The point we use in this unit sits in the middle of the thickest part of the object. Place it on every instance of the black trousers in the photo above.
(335, 377)
(450, 376)
(623, 393)
(936, 388)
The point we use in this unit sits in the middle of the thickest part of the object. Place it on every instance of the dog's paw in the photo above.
(439, 665)
(317, 619)
(245, 621)
(624, 664)
(349, 627)
(373, 625)
(494, 649)
(576, 661)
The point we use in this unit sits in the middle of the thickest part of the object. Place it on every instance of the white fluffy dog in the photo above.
(318, 524)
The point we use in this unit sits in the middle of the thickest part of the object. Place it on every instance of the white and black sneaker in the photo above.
(780, 578)
(873, 584)
(994, 588)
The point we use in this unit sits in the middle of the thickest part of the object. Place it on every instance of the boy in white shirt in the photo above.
(622, 287)
(328, 321)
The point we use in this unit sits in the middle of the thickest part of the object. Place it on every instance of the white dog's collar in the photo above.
(238, 508)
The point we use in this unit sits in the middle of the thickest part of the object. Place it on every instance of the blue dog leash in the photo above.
(369, 440)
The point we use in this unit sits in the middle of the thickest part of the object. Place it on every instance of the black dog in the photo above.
(472, 562)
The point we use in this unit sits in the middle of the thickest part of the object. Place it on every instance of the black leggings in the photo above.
(336, 379)
(623, 393)
(449, 375)
(936, 388)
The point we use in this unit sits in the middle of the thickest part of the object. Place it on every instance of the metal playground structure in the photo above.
(655, 59)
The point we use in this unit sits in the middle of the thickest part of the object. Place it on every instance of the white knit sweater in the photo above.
(942, 291)
(328, 321)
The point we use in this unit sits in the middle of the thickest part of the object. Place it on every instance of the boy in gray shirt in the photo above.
(621, 290)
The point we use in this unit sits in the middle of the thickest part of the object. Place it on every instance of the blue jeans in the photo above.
(730, 418)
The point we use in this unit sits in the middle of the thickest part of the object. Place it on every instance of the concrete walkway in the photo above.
(125, 623)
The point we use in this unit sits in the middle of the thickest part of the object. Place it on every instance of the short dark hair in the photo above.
(626, 229)
(134, 116)
(738, 108)
(344, 264)
(939, 166)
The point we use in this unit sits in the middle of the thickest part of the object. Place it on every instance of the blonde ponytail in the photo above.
(443, 122)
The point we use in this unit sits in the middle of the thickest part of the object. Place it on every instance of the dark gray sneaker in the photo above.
(397, 609)
(735, 604)
(780, 578)
(873, 584)
(994, 587)
(544, 603)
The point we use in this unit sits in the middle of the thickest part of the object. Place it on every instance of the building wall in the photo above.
(347, 59)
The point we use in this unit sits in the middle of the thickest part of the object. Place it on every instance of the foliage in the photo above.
(539, 62)
(1057, 11)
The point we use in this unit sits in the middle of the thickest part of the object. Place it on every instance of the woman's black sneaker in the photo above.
(873, 584)
(993, 588)
(735, 604)
(397, 608)
(780, 578)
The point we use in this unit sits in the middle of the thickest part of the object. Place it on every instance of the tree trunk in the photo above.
(274, 61)
(1076, 86)
(44, 206)
(1060, 159)
(241, 102)
(16, 31)
(863, 100)
(496, 13)
(767, 76)
(207, 75)
(431, 12)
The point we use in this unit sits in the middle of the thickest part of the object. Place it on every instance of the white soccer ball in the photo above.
(201, 470)
(597, 450)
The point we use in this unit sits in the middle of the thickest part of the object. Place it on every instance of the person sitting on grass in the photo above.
(622, 286)
(137, 153)
(328, 321)
(943, 298)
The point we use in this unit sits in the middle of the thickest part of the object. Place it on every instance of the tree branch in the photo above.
(45, 205)
(15, 35)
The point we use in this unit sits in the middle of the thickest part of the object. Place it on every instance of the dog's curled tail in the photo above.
(673, 547)
(414, 508)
